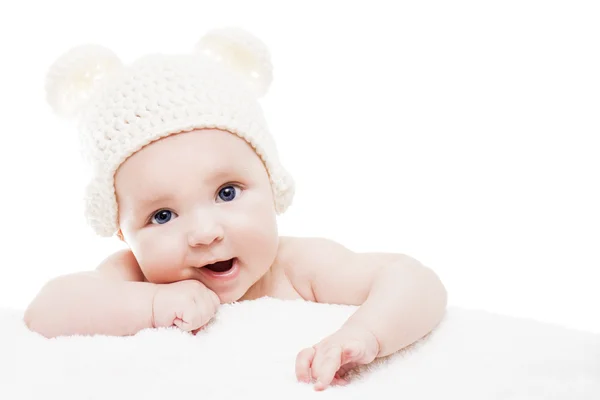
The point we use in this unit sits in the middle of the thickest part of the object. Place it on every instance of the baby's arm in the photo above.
(112, 300)
(400, 299)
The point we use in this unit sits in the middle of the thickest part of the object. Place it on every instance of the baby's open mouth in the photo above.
(221, 266)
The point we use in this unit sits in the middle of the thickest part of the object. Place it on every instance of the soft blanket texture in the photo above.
(250, 348)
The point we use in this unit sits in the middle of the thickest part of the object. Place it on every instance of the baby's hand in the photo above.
(328, 361)
(188, 305)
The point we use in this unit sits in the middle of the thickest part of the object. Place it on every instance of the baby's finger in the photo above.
(345, 368)
(339, 381)
(214, 298)
(203, 318)
(303, 364)
(191, 317)
(204, 310)
(325, 367)
(181, 324)
(195, 331)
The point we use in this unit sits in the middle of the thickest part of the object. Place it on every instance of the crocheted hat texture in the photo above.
(122, 108)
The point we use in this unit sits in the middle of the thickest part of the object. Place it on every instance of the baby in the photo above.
(186, 174)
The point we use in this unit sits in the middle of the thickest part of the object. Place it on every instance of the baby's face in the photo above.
(194, 199)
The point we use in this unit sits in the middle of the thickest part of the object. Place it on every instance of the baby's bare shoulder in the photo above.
(121, 265)
(289, 263)
(329, 271)
(301, 259)
(295, 252)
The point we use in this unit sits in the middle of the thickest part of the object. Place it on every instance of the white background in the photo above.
(461, 133)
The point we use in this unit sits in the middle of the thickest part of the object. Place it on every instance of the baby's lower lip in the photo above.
(230, 274)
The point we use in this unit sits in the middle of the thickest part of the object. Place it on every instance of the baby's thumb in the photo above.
(181, 324)
(187, 319)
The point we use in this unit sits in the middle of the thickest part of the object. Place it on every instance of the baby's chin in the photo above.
(231, 296)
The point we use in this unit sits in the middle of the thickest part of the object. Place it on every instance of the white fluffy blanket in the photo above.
(250, 349)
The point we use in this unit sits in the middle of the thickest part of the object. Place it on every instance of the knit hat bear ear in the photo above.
(73, 77)
(243, 53)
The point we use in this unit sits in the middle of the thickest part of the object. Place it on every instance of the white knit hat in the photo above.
(122, 108)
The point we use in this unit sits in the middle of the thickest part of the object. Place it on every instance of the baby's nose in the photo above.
(205, 233)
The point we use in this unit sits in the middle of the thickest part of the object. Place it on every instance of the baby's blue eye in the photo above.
(162, 217)
(228, 193)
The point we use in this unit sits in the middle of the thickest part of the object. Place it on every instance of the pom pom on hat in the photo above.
(72, 78)
(245, 54)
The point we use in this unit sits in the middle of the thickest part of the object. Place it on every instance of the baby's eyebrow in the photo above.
(152, 201)
(218, 176)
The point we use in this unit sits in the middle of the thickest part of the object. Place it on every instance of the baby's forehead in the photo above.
(204, 148)
(196, 159)
(181, 172)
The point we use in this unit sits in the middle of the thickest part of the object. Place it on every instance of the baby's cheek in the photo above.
(156, 273)
(160, 264)
(260, 241)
